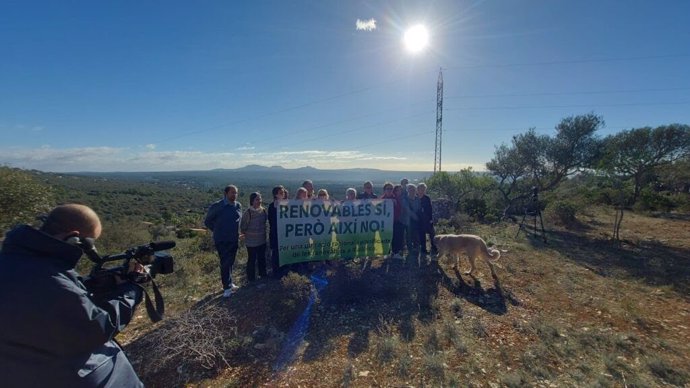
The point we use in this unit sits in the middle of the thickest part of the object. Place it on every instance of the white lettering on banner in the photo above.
(327, 230)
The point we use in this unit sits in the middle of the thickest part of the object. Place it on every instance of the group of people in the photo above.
(412, 223)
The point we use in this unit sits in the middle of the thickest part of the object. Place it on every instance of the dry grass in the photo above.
(576, 311)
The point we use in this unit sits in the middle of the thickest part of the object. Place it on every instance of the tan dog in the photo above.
(473, 246)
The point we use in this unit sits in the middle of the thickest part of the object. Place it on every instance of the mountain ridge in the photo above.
(255, 173)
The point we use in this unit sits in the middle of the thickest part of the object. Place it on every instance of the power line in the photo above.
(569, 93)
(366, 89)
(351, 131)
(591, 106)
(511, 129)
(569, 62)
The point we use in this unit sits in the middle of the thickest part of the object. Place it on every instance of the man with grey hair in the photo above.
(54, 332)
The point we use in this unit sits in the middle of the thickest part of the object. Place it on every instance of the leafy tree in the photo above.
(459, 185)
(464, 187)
(574, 148)
(675, 177)
(542, 161)
(631, 155)
(635, 153)
(22, 197)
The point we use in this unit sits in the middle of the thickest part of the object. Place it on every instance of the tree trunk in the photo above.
(617, 224)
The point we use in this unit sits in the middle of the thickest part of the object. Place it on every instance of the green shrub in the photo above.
(562, 212)
(475, 208)
(662, 369)
(22, 198)
(652, 200)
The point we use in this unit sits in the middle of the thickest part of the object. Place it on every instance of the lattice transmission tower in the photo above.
(439, 121)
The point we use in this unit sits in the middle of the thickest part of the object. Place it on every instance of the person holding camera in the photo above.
(223, 219)
(54, 332)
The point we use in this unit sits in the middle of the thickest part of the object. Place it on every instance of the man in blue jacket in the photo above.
(53, 331)
(223, 218)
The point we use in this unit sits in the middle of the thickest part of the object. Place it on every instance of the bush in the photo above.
(475, 208)
(652, 200)
(22, 198)
(562, 212)
(202, 337)
(664, 370)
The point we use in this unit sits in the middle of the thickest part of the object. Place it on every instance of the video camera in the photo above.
(103, 280)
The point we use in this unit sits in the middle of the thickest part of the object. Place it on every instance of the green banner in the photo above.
(333, 230)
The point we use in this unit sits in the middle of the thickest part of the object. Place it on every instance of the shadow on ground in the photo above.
(656, 264)
(358, 299)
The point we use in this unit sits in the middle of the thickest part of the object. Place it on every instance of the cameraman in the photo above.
(53, 331)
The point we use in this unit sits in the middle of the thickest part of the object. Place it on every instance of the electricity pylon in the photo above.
(439, 121)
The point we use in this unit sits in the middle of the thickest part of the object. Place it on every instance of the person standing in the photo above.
(403, 200)
(368, 192)
(350, 194)
(309, 185)
(253, 228)
(404, 182)
(54, 332)
(410, 211)
(323, 195)
(223, 219)
(279, 194)
(393, 193)
(302, 194)
(426, 220)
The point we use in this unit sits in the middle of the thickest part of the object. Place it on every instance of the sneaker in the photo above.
(227, 293)
(234, 287)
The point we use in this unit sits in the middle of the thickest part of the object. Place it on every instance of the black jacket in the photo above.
(426, 211)
(53, 332)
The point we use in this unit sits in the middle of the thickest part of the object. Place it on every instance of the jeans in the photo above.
(256, 256)
(412, 240)
(227, 251)
(398, 237)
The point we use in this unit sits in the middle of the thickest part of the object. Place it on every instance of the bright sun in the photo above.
(416, 38)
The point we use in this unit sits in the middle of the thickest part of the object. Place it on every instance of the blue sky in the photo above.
(160, 86)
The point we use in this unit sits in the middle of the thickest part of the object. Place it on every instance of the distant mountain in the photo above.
(267, 175)
(258, 168)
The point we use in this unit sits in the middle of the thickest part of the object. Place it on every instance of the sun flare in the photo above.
(416, 38)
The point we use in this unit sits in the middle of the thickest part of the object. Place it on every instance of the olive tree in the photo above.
(543, 161)
(633, 154)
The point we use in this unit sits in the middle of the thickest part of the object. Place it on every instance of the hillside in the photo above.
(576, 311)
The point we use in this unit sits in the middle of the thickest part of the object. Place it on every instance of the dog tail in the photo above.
(494, 254)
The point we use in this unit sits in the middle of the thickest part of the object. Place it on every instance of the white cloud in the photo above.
(22, 128)
(366, 25)
(245, 148)
(47, 158)
(150, 146)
